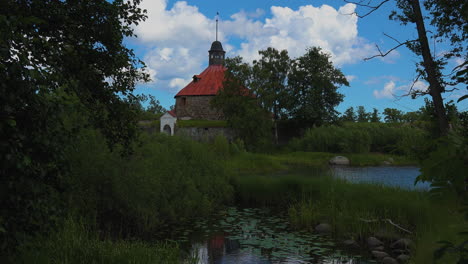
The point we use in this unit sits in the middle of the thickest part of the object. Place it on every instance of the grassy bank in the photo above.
(73, 243)
(355, 211)
(255, 163)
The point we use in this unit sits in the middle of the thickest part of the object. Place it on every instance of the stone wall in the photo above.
(205, 134)
(196, 107)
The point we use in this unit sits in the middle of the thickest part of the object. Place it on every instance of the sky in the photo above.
(175, 39)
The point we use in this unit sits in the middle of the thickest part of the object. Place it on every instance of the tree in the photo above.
(154, 106)
(362, 115)
(313, 84)
(392, 115)
(269, 82)
(63, 66)
(375, 118)
(242, 110)
(450, 23)
(349, 115)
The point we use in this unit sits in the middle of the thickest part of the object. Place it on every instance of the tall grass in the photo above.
(353, 210)
(363, 137)
(166, 181)
(74, 243)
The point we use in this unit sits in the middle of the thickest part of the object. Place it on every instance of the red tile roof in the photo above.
(172, 113)
(209, 82)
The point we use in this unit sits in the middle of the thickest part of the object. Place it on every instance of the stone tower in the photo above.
(216, 54)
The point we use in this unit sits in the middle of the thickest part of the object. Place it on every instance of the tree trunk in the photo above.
(435, 87)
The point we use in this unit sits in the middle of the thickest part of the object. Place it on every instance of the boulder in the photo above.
(379, 254)
(339, 160)
(386, 162)
(379, 248)
(403, 258)
(389, 260)
(323, 228)
(403, 243)
(373, 242)
(350, 243)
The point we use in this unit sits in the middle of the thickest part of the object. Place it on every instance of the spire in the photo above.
(217, 17)
(216, 53)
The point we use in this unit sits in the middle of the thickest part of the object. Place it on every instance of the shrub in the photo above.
(166, 180)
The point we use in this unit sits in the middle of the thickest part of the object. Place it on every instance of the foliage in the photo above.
(362, 138)
(313, 200)
(313, 83)
(362, 115)
(374, 116)
(63, 66)
(251, 122)
(392, 115)
(446, 166)
(74, 243)
(167, 180)
(349, 115)
(201, 123)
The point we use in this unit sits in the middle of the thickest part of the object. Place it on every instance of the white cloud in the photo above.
(387, 92)
(178, 83)
(351, 78)
(391, 90)
(177, 38)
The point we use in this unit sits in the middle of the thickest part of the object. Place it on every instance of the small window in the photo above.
(184, 100)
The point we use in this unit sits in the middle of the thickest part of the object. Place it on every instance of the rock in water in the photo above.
(403, 243)
(339, 160)
(379, 254)
(403, 258)
(373, 242)
(323, 228)
(389, 260)
(350, 243)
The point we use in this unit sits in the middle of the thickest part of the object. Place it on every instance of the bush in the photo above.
(362, 138)
(167, 180)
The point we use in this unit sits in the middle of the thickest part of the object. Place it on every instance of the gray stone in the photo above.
(379, 248)
(386, 162)
(391, 159)
(403, 258)
(379, 254)
(400, 251)
(373, 242)
(389, 260)
(403, 243)
(323, 228)
(350, 243)
(339, 160)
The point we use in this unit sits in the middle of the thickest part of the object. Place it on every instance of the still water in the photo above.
(402, 177)
(255, 236)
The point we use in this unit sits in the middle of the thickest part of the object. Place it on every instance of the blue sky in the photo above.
(175, 39)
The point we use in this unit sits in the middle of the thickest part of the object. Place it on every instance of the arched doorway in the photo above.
(167, 130)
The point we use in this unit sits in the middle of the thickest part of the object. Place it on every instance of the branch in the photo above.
(372, 8)
(388, 221)
(381, 54)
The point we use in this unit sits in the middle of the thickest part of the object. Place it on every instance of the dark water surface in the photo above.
(254, 236)
(257, 236)
(402, 177)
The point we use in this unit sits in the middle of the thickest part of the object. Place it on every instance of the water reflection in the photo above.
(253, 236)
(402, 177)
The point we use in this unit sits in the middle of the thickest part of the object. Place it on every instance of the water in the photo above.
(255, 236)
(403, 177)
